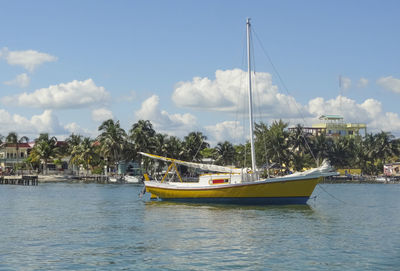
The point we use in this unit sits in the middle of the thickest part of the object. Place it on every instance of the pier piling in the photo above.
(19, 180)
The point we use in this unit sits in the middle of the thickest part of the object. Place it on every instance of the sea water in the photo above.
(61, 226)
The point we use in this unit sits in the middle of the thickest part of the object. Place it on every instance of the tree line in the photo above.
(274, 145)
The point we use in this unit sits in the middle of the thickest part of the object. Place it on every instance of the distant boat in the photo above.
(132, 179)
(237, 185)
(381, 179)
(134, 174)
(115, 179)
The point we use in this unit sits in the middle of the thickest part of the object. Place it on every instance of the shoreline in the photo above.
(103, 179)
(67, 178)
(361, 180)
(72, 178)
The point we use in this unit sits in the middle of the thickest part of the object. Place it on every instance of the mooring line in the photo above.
(323, 189)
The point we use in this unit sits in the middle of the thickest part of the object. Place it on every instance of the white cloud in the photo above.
(21, 80)
(101, 114)
(228, 92)
(173, 124)
(231, 131)
(75, 94)
(29, 59)
(345, 82)
(390, 83)
(130, 97)
(369, 112)
(47, 122)
(76, 129)
(363, 82)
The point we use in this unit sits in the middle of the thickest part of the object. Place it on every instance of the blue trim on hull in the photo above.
(244, 201)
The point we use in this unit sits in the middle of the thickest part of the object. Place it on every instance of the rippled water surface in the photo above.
(63, 226)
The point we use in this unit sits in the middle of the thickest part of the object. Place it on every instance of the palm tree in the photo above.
(340, 153)
(298, 139)
(321, 146)
(112, 140)
(261, 131)
(142, 135)
(193, 143)
(278, 143)
(72, 141)
(378, 149)
(12, 137)
(128, 151)
(225, 153)
(160, 144)
(368, 152)
(242, 155)
(358, 151)
(45, 149)
(385, 147)
(173, 147)
(301, 153)
(84, 154)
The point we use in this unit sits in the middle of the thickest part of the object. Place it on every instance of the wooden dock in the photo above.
(20, 180)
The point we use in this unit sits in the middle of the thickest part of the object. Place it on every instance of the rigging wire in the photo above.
(287, 91)
(257, 93)
(240, 101)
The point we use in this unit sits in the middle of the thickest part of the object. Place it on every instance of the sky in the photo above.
(66, 66)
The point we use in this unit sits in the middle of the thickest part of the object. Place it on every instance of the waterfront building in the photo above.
(334, 125)
(392, 170)
(11, 154)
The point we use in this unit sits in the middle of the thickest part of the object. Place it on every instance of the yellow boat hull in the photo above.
(260, 192)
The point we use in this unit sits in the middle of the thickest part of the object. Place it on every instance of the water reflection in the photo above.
(102, 227)
(171, 204)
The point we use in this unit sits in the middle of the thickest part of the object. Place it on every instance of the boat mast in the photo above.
(253, 154)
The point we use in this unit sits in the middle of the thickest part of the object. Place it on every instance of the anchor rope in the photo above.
(323, 189)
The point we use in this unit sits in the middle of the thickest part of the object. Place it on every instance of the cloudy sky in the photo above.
(66, 66)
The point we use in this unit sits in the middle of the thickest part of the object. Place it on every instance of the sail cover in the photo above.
(194, 165)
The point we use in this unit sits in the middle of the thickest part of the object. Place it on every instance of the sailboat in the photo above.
(236, 185)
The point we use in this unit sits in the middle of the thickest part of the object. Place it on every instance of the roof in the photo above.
(61, 143)
(330, 117)
(14, 145)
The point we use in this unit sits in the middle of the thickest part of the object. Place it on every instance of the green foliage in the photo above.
(112, 141)
(208, 153)
(274, 145)
(224, 154)
(97, 170)
(193, 144)
(45, 149)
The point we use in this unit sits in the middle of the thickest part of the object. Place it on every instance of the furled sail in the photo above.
(194, 165)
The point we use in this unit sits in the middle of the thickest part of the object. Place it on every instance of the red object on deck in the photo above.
(220, 181)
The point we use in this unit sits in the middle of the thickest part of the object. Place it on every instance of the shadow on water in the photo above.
(169, 204)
